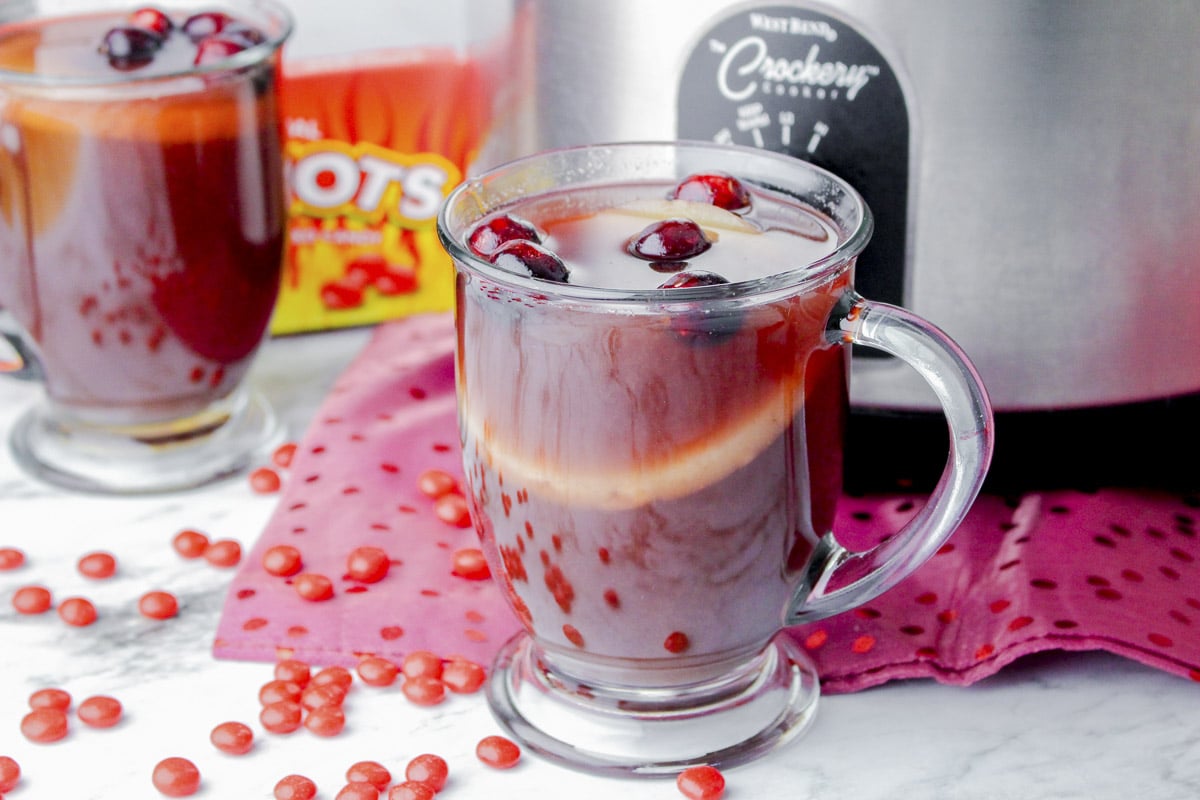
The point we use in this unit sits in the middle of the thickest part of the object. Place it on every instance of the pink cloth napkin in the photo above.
(1115, 570)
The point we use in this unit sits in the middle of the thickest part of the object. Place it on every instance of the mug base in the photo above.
(219, 443)
(620, 730)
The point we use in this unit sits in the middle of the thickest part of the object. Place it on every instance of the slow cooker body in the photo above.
(1032, 164)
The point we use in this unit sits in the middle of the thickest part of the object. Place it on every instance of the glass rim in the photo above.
(812, 272)
(280, 15)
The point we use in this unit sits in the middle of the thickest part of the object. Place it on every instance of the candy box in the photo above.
(385, 106)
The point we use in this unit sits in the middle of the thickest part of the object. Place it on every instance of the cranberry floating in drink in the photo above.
(141, 236)
(652, 442)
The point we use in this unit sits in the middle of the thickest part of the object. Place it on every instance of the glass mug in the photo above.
(142, 219)
(654, 458)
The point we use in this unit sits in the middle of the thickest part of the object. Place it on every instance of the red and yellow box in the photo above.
(373, 143)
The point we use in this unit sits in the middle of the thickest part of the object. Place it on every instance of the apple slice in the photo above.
(705, 215)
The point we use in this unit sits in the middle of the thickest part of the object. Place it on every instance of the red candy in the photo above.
(701, 783)
(452, 509)
(279, 690)
(371, 772)
(326, 720)
(284, 454)
(10, 774)
(312, 586)
(223, 553)
(377, 671)
(32, 600)
(233, 738)
(11, 558)
(100, 711)
(335, 676)
(469, 563)
(411, 790)
(282, 717)
(77, 612)
(358, 790)
(295, 787)
(176, 777)
(368, 564)
(421, 664)
(293, 670)
(190, 543)
(158, 605)
(50, 698)
(265, 480)
(424, 690)
(429, 769)
(434, 483)
(44, 725)
(462, 676)
(98, 565)
(498, 752)
(282, 560)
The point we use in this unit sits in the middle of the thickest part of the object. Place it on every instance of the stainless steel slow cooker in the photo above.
(1033, 165)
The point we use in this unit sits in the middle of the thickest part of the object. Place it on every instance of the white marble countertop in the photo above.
(1052, 726)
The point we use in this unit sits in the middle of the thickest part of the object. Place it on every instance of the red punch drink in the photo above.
(141, 218)
(652, 367)
(652, 481)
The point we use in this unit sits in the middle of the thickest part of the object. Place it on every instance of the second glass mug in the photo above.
(658, 508)
(142, 217)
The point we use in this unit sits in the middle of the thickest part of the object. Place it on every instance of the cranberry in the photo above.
(295, 787)
(715, 188)
(490, 236)
(244, 34)
(669, 240)
(531, 259)
(688, 280)
(429, 769)
(153, 20)
(10, 774)
(498, 752)
(701, 783)
(100, 711)
(128, 47)
(176, 777)
(233, 738)
(206, 23)
(212, 49)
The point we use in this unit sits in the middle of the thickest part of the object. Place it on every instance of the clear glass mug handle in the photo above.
(20, 362)
(839, 579)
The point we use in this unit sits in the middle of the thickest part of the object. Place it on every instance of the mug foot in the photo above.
(620, 730)
(144, 459)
